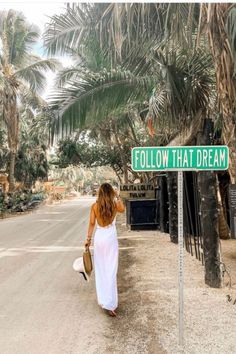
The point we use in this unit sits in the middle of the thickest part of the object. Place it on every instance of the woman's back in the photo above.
(105, 222)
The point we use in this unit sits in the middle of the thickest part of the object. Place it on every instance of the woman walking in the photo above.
(103, 214)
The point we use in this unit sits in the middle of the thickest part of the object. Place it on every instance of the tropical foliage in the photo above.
(31, 159)
(131, 74)
(21, 75)
(174, 62)
(80, 178)
(77, 153)
(220, 19)
(161, 67)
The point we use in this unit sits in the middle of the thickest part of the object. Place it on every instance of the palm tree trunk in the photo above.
(122, 156)
(164, 224)
(209, 216)
(173, 206)
(224, 231)
(126, 179)
(117, 174)
(187, 135)
(132, 130)
(12, 171)
(11, 118)
(229, 135)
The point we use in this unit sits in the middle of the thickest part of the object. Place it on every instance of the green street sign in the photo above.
(180, 158)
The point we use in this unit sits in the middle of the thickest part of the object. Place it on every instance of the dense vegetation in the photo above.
(142, 74)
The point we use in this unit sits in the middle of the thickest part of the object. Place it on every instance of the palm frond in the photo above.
(186, 86)
(33, 73)
(158, 102)
(36, 63)
(231, 29)
(181, 21)
(66, 31)
(29, 98)
(122, 25)
(94, 96)
(66, 75)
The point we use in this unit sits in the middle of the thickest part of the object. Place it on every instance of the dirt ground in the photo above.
(229, 258)
(148, 299)
(53, 310)
(135, 330)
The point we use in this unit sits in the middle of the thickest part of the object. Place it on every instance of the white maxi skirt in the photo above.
(106, 266)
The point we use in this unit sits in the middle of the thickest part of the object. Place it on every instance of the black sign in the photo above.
(135, 191)
(232, 208)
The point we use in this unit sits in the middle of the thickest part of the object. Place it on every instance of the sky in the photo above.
(36, 12)
(39, 13)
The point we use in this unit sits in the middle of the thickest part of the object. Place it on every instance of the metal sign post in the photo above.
(180, 158)
(181, 257)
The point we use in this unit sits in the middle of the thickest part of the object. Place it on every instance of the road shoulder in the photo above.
(148, 300)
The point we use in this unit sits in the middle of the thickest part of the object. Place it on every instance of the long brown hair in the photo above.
(105, 202)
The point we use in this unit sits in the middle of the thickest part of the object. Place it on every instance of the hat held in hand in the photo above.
(78, 266)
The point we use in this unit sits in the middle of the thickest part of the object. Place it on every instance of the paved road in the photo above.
(45, 307)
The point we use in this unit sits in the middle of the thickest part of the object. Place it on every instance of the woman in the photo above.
(105, 246)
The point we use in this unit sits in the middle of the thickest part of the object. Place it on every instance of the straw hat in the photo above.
(78, 266)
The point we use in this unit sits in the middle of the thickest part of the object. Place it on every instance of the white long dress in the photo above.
(106, 265)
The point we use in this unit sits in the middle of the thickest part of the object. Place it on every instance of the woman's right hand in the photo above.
(116, 192)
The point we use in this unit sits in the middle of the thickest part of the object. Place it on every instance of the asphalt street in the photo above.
(46, 307)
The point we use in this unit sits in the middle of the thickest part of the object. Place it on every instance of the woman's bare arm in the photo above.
(92, 221)
(120, 207)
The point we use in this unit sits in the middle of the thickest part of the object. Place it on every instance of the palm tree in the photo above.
(185, 23)
(180, 76)
(220, 21)
(127, 34)
(122, 25)
(21, 74)
(119, 26)
(109, 84)
(116, 26)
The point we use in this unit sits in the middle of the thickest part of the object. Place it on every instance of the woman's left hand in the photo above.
(87, 243)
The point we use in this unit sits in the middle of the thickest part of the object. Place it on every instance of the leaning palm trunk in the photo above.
(188, 134)
(219, 39)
